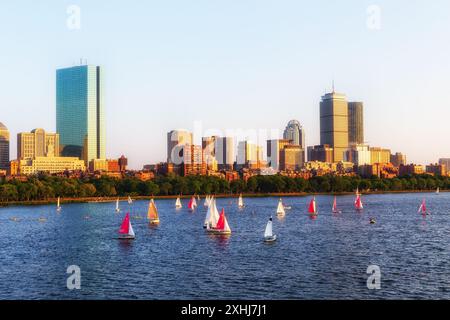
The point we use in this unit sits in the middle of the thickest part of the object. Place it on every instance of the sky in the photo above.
(236, 65)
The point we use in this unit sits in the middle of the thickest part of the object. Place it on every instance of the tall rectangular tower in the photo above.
(4, 147)
(334, 124)
(355, 123)
(80, 113)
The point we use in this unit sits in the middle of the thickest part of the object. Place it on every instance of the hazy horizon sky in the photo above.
(247, 64)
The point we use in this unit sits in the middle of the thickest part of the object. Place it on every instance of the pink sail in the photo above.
(423, 207)
(125, 227)
(312, 206)
(358, 202)
(221, 223)
(335, 205)
(192, 203)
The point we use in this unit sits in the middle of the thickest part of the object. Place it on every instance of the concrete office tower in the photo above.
(176, 139)
(37, 143)
(249, 154)
(4, 147)
(80, 112)
(274, 148)
(355, 123)
(334, 123)
(225, 153)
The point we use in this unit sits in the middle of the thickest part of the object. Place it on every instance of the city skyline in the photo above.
(217, 78)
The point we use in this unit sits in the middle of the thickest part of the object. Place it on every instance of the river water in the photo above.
(322, 258)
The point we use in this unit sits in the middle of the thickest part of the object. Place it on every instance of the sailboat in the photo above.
(130, 201)
(178, 203)
(335, 209)
(192, 204)
(358, 201)
(126, 231)
(152, 213)
(240, 202)
(58, 207)
(212, 215)
(207, 201)
(437, 190)
(117, 205)
(312, 209)
(198, 197)
(423, 208)
(268, 233)
(221, 227)
(280, 208)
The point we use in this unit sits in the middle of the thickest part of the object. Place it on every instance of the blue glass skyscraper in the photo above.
(80, 115)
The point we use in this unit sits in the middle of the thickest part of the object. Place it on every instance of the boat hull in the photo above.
(218, 232)
(270, 239)
(126, 237)
(156, 221)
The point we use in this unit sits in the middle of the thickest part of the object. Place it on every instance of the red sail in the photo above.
(312, 206)
(190, 204)
(125, 227)
(424, 207)
(221, 223)
(334, 204)
(358, 203)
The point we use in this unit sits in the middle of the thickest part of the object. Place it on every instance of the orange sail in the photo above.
(152, 213)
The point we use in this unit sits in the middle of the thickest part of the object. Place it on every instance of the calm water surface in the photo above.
(325, 258)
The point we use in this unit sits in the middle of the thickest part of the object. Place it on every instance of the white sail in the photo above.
(213, 216)
(208, 216)
(268, 232)
(226, 226)
(241, 201)
(437, 190)
(280, 208)
(58, 207)
(117, 205)
(178, 203)
(205, 203)
(194, 202)
(131, 231)
(130, 201)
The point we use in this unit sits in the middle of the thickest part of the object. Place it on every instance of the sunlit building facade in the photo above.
(334, 124)
(37, 143)
(4, 147)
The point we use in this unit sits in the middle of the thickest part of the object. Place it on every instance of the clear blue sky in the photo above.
(249, 64)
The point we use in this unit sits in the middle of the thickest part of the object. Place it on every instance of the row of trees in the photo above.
(43, 187)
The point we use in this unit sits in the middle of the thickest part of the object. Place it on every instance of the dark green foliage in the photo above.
(43, 187)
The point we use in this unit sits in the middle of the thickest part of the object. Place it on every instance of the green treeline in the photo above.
(43, 187)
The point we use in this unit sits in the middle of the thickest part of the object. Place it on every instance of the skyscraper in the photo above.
(355, 123)
(334, 123)
(80, 113)
(37, 143)
(225, 152)
(274, 148)
(295, 132)
(4, 147)
(176, 139)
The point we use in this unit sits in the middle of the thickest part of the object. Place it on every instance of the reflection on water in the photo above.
(320, 257)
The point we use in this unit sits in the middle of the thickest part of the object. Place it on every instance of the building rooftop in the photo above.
(2, 126)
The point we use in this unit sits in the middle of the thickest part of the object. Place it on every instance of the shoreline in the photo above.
(245, 195)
